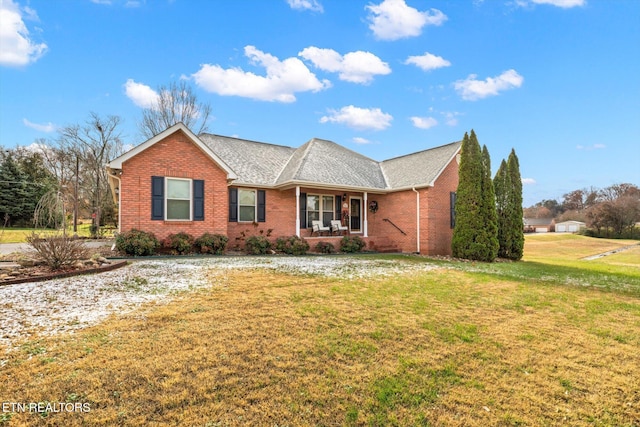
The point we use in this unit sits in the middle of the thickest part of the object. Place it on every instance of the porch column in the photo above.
(298, 210)
(366, 211)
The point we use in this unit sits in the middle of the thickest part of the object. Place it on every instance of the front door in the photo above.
(355, 213)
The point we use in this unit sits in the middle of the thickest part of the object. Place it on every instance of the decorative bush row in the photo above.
(142, 243)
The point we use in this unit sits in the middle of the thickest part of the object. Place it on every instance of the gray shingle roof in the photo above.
(323, 162)
(255, 163)
(419, 168)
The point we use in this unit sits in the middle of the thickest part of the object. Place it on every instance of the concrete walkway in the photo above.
(7, 248)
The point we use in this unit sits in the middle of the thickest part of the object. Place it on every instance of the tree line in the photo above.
(612, 211)
(70, 168)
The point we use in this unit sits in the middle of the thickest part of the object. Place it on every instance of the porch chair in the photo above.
(337, 227)
(317, 227)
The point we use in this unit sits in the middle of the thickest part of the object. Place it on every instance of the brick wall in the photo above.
(175, 156)
(435, 209)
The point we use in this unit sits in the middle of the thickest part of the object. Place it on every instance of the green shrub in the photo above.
(351, 244)
(257, 245)
(179, 243)
(211, 243)
(137, 243)
(293, 245)
(325, 248)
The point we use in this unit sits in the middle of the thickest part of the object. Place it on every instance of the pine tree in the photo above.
(14, 192)
(508, 188)
(475, 231)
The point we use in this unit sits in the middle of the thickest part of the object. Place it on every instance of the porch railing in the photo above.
(391, 222)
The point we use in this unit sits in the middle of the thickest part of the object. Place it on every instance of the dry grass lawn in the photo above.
(258, 348)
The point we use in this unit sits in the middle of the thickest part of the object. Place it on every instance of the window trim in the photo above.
(166, 198)
(255, 205)
(321, 210)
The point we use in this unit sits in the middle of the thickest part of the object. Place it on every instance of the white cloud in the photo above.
(141, 95)
(360, 140)
(106, 2)
(393, 19)
(359, 118)
(428, 61)
(451, 118)
(472, 89)
(18, 48)
(355, 67)
(591, 147)
(528, 181)
(312, 5)
(565, 4)
(424, 122)
(283, 78)
(47, 127)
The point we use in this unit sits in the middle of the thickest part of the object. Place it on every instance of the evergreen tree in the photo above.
(475, 231)
(14, 192)
(516, 240)
(501, 185)
(508, 188)
(489, 233)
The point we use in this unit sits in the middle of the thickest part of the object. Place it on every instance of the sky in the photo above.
(556, 80)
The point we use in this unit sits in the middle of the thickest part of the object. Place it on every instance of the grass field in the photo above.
(19, 235)
(554, 340)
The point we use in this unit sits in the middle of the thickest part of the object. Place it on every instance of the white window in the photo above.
(247, 205)
(320, 207)
(178, 200)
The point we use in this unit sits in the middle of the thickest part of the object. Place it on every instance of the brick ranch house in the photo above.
(180, 182)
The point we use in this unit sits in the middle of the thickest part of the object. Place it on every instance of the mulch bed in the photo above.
(40, 273)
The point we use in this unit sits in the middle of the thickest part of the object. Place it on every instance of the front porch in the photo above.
(379, 244)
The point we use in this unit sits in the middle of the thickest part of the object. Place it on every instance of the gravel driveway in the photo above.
(64, 305)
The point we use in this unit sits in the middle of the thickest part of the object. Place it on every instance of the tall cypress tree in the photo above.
(501, 185)
(508, 188)
(489, 233)
(516, 240)
(474, 234)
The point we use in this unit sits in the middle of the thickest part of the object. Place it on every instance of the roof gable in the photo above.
(324, 162)
(179, 127)
(419, 169)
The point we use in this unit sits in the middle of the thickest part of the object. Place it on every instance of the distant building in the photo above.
(538, 225)
(570, 226)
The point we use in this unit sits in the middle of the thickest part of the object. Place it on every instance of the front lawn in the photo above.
(464, 344)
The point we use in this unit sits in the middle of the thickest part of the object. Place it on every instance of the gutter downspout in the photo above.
(417, 219)
(119, 198)
(298, 210)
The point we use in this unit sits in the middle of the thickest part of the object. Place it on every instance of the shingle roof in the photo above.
(255, 163)
(322, 162)
(421, 168)
(325, 162)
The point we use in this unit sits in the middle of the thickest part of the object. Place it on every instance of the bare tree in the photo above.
(93, 145)
(175, 103)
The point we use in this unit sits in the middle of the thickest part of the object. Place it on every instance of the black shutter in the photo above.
(452, 208)
(338, 208)
(233, 205)
(303, 210)
(262, 206)
(198, 200)
(157, 197)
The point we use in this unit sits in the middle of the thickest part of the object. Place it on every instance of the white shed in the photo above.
(569, 226)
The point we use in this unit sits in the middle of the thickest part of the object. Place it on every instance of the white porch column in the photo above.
(366, 212)
(298, 210)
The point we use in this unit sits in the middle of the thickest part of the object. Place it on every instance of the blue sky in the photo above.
(558, 80)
